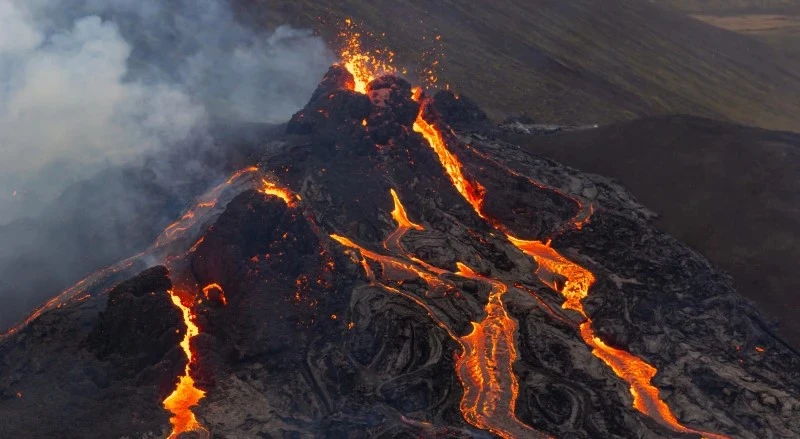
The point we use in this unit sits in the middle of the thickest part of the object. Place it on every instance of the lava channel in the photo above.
(486, 368)
(186, 395)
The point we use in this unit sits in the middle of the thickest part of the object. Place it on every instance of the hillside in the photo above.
(734, 6)
(729, 191)
(572, 62)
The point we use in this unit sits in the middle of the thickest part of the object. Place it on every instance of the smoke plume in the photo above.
(88, 83)
(108, 112)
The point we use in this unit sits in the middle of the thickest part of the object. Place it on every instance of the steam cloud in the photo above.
(88, 83)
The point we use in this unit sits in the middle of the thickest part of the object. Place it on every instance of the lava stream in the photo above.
(65, 296)
(486, 368)
(270, 188)
(403, 224)
(473, 192)
(582, 216)
(186, 395)
(627, 366)
(388, 261)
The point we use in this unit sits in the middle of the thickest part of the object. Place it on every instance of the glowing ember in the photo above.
(416, 94)
(186, 395)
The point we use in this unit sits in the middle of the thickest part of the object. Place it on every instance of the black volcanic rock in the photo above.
(394, 111)
(337, 78)
(137, 328)
(459, 111)
(333, 106)
(96, 367)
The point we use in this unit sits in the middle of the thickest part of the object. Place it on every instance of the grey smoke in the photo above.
(85, 84)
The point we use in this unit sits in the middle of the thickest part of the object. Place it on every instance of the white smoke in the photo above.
(88, 83)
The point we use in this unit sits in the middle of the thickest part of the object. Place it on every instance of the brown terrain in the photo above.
(774, 22)
(780, 31)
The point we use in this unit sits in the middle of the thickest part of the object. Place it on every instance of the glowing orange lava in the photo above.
(627, 366)
(486, 368)
(186, 395)
(363, 64)
(489, 351)
(473, 192)
(400, 267)
(215, 287)
(403, 224)
(270, 188)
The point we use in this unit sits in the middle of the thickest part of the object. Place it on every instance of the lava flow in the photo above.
(403, 224)
(270, 188)
(486, 368)
(627, 366)
(70, 293)
(487, 407)
(206, 203)
(399, 266)
(186, 395)
(473, 192)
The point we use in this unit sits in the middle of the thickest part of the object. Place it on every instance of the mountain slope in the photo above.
(729, 191)
(376, 276)
(733, 6)
(581, 61)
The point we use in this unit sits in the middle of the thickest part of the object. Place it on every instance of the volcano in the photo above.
(389, 268)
